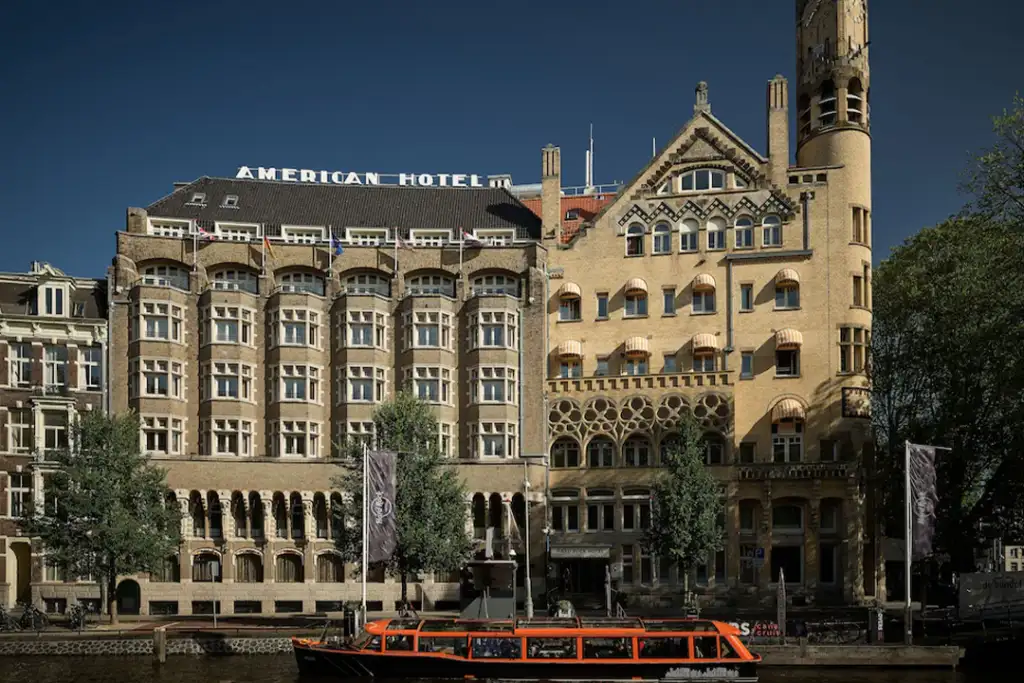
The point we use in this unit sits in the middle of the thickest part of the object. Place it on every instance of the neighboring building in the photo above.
(53, 358)
(1014, 558)
(250, 363)
(736, 286)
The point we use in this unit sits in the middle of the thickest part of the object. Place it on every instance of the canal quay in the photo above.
(281, 669)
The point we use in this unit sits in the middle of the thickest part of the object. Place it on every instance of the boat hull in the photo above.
(328, 662)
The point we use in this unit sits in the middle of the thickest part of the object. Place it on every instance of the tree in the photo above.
(996, 178)
(430, 501)
(106, 514)
(687, 505)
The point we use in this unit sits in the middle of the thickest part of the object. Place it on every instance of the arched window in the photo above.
(197, 510)
(495, 511)
(771, 228)
(216, 518)
(635, 240)
(479, 514)
(788, 440)
(337, 513)
(368, 283)
(168, 571)
(206, 567)
(703, 179)
(601, 452)
(256, 514)
(854, 101)
(330, 568)
(248, 568)
(321, 516)
(281, 517)
(744, 232)
(827, 105)
(716, 233)
(662, 239)
(298, 516)
(636, 452)
(165, 276)
(669, 443)
(238, 515)
(430, 284)
(714, 449)
(496, 285)
(233, 279)
(787, 552)
(302, 282)
(565, 453)
(288, 568)
(689, 233)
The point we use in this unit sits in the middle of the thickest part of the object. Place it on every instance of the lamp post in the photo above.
(529, 556)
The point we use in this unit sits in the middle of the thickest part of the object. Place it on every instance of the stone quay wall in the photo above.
(192, 644)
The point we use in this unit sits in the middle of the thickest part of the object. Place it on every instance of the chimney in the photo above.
(778, 130)
(701, 103)
(551, 190)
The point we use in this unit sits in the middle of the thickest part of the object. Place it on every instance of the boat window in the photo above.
(448, 645)
(403, 624)
(441, 625)
(399, 643)
(362, 642)
(374, 644)
(551, 648)
(497, 648)
(729, 651)
(705, 647)
(664, 648)
(607, 648)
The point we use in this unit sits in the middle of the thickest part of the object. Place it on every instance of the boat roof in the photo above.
(525, 626)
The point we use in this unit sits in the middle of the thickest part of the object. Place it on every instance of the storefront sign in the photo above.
(579, 552)
(757, 629)
(305, 175)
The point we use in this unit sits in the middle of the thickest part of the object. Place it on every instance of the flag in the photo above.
(382, 530)
(266, 245)
(336, 245)
(400, 243)
(924, 498)
(204, 234)
(472, 240)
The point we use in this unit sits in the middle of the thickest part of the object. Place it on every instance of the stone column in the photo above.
(853, 574)
(764, 536)
(186, 518)
(269, 523)
(71, 367)
(812, 538)
(206, 513)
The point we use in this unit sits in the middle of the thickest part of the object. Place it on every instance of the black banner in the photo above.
(382, 531)
(924, 498)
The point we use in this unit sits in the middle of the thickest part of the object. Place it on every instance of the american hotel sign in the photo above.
(305, 175)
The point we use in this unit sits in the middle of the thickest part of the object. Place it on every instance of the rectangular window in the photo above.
(53, 300)
(569, 309)
(747, 365)
(787, 442)
(748, 452)
(569, 369)
(787, 363)
(228, 382)
(746, 297)
(627, 564)
(602, 367)
(704, 362)
(497, 329)
(744, 236)
(55, 366)
(772, 234)
(602, 305)
(229, 437)
(19, 364)
(669, 296)
(295, 327)
(704, 301)
(858, 225)
(366, 383)
(600, 517)
(829, 450)
(716, 240)
(430, 329)
(55, 431)
(159, 378)
(90, 368)
(21, 423)
(19, 493)
(748, 565)
(670, 364)
(493, 385)
(636, 306)
(866, 297)
(432, 383)
(858, 290)
(162, 435)
(853, 344)
(160, 321)
(296, 438)
(494, 439)
(635, 366)
(296, 383)
(227, 325)
(787, 297)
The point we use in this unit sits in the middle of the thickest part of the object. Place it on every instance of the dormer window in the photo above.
(666, 187)
(198, 198)
(572, 215)
(703, 179)
(741, 183)
(635, 240)
(230, 201)
(52, 300)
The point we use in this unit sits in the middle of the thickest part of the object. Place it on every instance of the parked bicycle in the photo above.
(406, 611)
(7, 621)
(34, 618)
(77, 617)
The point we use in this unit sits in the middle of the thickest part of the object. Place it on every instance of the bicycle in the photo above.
(34, 618)
(406, 611)
(77, 617)
(8, 622)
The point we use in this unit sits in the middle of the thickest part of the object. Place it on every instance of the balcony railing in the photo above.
(603, 383)
(179, 282)
(797, 470)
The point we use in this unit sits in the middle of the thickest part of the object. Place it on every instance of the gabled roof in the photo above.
(350, 206)
(702, 125)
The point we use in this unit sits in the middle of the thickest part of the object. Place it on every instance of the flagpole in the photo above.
(462, 241)
(396, 251)
(195, 246)
(908, 615)
(366, 509)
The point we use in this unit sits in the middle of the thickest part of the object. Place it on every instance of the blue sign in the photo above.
(759, 554)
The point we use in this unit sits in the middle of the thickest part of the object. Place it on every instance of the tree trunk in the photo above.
(405, 589)
(112, 597)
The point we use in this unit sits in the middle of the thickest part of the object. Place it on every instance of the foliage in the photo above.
(106, 513)
(686, 520)
(948, 356)
(430, 501)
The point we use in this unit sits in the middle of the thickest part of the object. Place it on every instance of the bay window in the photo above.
(493, 385)
(364, 329)
(227, 325)
(157, 378)
(157, 321)
(299, 383)
(162, 435)
(494, 439)
(227, 382)
(496, 329)
(428, 330)
(431, 383)
(295, 438)
(364, 384)
(228, 437)
(295, 327)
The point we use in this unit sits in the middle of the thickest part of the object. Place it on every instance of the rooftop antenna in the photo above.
(589, 182)
(654, 147)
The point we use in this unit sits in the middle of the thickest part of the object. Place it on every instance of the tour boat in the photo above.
(573, 649)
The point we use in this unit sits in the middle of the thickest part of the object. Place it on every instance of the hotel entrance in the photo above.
(578, 574)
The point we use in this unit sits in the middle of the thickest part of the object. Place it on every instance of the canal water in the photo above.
(281, 669)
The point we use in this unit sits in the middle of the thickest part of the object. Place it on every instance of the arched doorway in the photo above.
(128, 597)
(22, 572)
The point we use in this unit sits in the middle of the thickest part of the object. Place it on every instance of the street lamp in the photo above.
(529, 557)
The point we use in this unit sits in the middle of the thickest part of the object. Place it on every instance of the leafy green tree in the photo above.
(107, 515)
(686, 506)
(430, 500)
(996, 176)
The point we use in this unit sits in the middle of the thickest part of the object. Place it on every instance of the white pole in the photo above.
(366, 507)
(528, 586)
(908, 615)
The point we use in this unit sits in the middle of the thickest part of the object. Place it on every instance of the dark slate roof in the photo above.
(276, 203)
(17, 298)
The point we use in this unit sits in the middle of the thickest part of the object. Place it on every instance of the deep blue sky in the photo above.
(103, 105)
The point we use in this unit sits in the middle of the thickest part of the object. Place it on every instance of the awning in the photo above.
(636, 286)
(788, 409)
(788, 339)
(787, 276)
(704, 342)
(637, 347)
(703, 281)
(570, 349)
(569, 290)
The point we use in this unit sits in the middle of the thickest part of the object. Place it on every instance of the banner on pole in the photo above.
(382, 530)
(924, 498)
